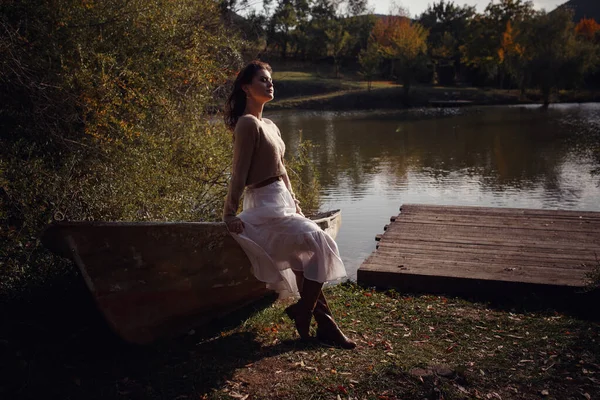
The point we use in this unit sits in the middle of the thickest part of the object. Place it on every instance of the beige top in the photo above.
(257, 155)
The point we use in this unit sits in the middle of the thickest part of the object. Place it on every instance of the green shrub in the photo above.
(103, 116)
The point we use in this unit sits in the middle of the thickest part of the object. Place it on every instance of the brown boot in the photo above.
(301, 312)
(328, 330)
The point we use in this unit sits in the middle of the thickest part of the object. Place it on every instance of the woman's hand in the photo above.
(299, 210)
(235, 225)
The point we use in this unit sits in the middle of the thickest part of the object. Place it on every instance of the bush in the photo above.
(102, 117)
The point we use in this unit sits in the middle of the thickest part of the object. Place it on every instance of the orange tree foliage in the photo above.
(509, 47)
(398, 37)
(513, 55)
(404, 42)
(588, 28)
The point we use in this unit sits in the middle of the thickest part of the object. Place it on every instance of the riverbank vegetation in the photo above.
(106, 113)
(509, 45)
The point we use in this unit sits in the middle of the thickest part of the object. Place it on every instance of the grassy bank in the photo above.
(410, 347)
(306, 90)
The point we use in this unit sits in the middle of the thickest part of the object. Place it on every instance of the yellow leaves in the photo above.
(399, 37)
(507, 36)
(510, 48)
(88, 4)
(501, 55)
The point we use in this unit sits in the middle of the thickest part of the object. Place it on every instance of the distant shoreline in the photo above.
(393, 97)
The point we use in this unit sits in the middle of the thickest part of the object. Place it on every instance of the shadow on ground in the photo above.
(58, 346)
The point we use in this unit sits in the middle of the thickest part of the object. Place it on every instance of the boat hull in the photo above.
(152, 280)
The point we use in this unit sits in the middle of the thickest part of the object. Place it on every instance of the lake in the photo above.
(372, 162)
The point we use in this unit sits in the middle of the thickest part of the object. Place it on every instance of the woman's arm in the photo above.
(245, 135)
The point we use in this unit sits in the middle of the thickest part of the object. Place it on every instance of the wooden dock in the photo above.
(484, 251)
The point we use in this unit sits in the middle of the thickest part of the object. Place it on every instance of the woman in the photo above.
(287, 251)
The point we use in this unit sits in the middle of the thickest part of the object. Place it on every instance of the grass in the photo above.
(409, 347)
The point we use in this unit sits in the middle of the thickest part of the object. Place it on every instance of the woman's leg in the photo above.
(327, 331)
(301, 312)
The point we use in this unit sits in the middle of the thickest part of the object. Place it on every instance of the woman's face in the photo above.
(261, 88)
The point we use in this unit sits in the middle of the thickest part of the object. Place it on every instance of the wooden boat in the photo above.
(156, 279)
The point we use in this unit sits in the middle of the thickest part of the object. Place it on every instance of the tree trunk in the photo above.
(284, 49)
(546, 96)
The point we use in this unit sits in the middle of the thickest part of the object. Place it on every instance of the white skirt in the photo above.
(277, 240)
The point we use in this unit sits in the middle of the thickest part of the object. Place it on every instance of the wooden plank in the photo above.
(447, 266)
(494, 222)
(433, 248)
(473, 230)
(470, 210)
(511, 258)
(475, 270)
(493, 240)
(477, 248)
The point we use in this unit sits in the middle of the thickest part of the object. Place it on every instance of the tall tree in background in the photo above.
(486, 33)
(447, 24)
(404, 43)
(557, 57)
(369, 60)
(322, 13)
(281, 25)
(338, 39)
(513, 55)
(588, 29)
(359, 20)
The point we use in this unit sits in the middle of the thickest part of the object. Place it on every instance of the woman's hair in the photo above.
(236, 102)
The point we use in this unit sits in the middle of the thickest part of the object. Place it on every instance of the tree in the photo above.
(404, 43)
(447, 24)
(588, 29)
(281, 25)
(369, 60)
(557, 58)
(338, 39)
(486, 32)
(357, 7)
(513, 55)
(322, 13)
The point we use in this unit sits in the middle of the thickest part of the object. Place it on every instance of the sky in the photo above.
(416, 7)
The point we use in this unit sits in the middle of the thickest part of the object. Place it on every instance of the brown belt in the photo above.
(266, 182)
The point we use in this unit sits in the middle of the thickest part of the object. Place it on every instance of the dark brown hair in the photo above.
(236, 102)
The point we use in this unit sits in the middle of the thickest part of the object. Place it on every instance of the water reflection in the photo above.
(372, 162)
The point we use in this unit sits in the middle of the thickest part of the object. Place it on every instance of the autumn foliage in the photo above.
(588, 28)
(397, 36)
(404, 43)
(103, 117)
